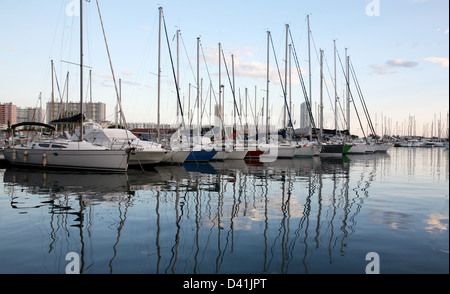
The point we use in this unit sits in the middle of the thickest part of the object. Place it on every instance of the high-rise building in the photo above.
(95, 111)
(304, 116)
(8, 113)
(30, 114)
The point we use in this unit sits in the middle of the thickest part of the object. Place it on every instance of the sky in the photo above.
(399, 50)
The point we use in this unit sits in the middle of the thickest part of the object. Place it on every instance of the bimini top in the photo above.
(32, 124)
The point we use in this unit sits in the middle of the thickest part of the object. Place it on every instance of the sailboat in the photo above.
(278, 149)
(143, 152)
(63, 153)
(175, 154)
(309, 148)
(202, 148)
(182, 151)
(330, 148)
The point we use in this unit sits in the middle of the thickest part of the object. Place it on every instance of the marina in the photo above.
(301, 215)
(187, 144)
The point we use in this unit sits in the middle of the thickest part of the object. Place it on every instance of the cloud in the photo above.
(11, 47)
(145, 27)
(103, 76)
(389, 65)
(446, 31)
(126, 73)
(401, 63)
(381, 69)
(244, 66)
(442, 60)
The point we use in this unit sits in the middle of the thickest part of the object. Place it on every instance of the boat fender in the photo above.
(25, 156)
(14, 154)
(44, 159)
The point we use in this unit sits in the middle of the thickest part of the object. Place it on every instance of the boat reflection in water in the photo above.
(287, 216)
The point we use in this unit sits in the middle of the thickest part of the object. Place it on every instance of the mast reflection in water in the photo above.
(290, 216)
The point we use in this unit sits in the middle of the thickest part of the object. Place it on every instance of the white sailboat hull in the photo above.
(174, 156)
(273, 152)
(95, 159)
(359, 148)
(286, 151)
(371, 148)
(138, 157)
(237, 155)
(221, 155)
(144, 152)
(382, 147)
(307, 151)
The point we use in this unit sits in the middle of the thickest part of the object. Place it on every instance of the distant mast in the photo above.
(267, 89)
(309, 73)
(159, 76)
(285, 75)
(348, 91)
(81, 69)
(335, 93)
(321, 94)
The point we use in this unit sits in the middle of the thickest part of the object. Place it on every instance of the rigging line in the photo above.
(351, 98)
(360, 95)
(362, 99)
(211, 85)
(251, 109)
(119, 99)
(207, 71)
(282, 88)
(315, 49)
(174, 74)
(59, 92)
(189, 60)
(328, 92)
(335, 86)
(346, 83)
(204, 103)
(45, 76)
(305, 93)
(232, 89)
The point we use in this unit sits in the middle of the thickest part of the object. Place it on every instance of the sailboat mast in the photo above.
(178, 70)
(53, 94)
(234, 91)
(309, 70)
(198, 89)
(285, 74)
(348, 91)
(321, 94)
(290, 79)
(159, 76)
(220, 85)
(90, 92)
(335, 91)
(81, 69)
(267, 89)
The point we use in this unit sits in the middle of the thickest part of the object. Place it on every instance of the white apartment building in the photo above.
(94, 111)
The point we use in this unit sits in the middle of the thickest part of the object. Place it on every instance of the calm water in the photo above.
(290, 216)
